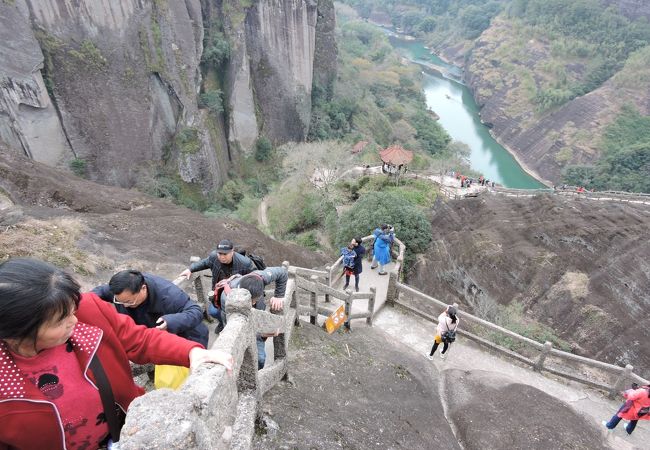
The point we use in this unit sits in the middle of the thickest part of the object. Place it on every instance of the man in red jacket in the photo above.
(50, 334)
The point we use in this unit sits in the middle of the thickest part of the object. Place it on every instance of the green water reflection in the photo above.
(458, 112)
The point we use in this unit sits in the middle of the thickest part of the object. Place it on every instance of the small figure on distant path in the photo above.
(384, 237)
(445, 331)
(349, 257)
(635, 408)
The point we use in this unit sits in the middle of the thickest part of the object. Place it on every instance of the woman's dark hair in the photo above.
(33, 292)
(253, 284)
(358, 240)
(130, 280)
(451, 312)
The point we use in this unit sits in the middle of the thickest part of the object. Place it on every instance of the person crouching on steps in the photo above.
(445, 331)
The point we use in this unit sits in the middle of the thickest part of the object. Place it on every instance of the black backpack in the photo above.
(257, 260)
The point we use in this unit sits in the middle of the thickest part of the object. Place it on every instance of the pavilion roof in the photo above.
(396, 155)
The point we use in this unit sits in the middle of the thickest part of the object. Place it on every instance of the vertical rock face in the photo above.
(28, 121)
(125, 76)
(325, 58)
(280, 36)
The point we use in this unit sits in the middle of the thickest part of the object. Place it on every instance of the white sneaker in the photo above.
(442, 356)
(604, 422)
(429, 357)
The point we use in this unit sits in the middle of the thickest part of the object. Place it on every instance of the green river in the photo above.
(459, 115)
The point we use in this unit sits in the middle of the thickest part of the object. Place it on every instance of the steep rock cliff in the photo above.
(123, 79)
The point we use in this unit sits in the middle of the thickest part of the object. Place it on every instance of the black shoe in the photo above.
(346, 286)
(219, 328)
(383, 273)
(356, 289)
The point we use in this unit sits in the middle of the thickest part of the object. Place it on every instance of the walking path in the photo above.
(417, 333)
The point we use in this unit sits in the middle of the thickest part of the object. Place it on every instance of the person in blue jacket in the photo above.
(384, 237)
(153, 301)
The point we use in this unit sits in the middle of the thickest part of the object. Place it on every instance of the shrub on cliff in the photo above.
(411, 223)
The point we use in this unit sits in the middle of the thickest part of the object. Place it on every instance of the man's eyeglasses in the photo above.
(118, 302)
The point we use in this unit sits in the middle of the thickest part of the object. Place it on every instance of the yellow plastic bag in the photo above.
(170, 376)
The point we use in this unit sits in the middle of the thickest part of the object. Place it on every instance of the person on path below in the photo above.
(635, 408)
(153, 301)
(223, 262)
(360, 250)
(61, 351)
(349, 258)
(447, 322)
(384, 236)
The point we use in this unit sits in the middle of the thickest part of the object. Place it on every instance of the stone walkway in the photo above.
(417, 333)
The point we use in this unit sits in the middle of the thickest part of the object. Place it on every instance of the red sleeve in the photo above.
(635, 394)
(141, 344)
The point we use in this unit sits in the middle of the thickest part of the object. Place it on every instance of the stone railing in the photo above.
(625, 197)
(541, 357)
(214, 409)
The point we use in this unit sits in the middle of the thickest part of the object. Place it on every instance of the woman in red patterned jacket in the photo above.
(51, 340)
(635, 408)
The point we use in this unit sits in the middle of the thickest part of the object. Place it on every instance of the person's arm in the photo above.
(280, 276)
(104, 292)
(205, 263)
(635, 394)
(149, 345)
(180, 312)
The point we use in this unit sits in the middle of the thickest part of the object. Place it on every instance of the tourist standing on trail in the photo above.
(153, 301)
(445, 331)
(384, 237)
(223, 262)
(349, 258)
(65, 379)
(635, 408)
(360, 250)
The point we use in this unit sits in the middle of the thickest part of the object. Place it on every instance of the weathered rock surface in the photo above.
(491, 411)
(123, 79)
(579, 266)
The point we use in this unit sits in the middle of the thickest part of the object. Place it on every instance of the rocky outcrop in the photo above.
(325, 57)
(29, 123)
(124, 76)
(281, 39)
(577, 266)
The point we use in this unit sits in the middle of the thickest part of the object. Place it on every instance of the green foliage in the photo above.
(170, 186)
(231, 193)
(78, 166)
(298, 210)
(433, 138)
(625, 163)
(411, 223)
(89, 55)
(216, 49)
(513, 318)
(263, 149)
(187, 140)
(308, 240)
(212, 100)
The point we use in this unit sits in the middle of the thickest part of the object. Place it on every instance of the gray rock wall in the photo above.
(125, 77)
(281, 36)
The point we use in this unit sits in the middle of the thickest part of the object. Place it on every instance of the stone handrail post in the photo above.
(391, 293)
(313, 303)
(348, 310)
(546, 350)
(329, 277)
(371, 305)
(621, 380)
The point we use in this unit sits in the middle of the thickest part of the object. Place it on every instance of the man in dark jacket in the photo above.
(255, 282)
(223, 263)
(153, 301)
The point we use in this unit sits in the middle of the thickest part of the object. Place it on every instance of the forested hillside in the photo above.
(556, 79)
